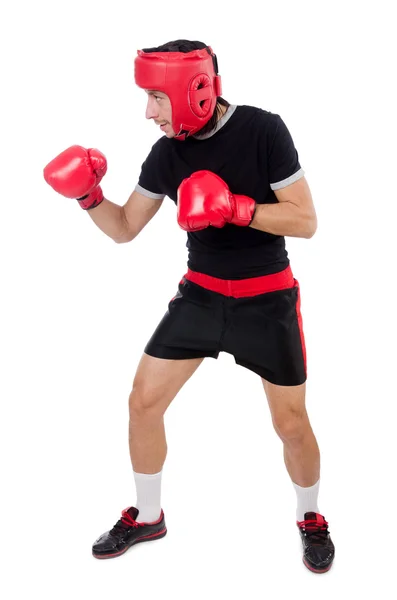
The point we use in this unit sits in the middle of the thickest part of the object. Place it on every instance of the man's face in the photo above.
(159, 109)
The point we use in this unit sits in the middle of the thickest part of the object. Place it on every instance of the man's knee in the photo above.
(291, 424)
(145, 400)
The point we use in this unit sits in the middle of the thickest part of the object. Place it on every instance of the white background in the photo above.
(77, 309)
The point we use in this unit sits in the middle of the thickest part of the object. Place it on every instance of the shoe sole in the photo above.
(313, 569)
(148, 538)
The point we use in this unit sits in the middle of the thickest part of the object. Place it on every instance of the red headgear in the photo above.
(189, 79)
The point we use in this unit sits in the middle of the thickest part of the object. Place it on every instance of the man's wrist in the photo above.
(91, 200)
(244, 210)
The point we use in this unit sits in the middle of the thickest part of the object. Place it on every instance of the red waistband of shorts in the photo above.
(240, 288)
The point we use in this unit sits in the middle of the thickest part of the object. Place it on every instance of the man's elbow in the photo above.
(311, 227)
(127, 237)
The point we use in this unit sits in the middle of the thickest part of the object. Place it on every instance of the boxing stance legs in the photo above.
(158, 381)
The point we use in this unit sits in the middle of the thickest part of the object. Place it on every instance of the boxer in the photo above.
(234, 175)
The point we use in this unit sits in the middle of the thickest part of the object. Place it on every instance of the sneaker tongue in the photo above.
(133, 512)
(309, 516)
(312, 516)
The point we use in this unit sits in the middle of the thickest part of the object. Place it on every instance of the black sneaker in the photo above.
(318, 548)
(126, 533)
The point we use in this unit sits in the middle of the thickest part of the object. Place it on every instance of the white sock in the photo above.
(148, 492)
(307, 499)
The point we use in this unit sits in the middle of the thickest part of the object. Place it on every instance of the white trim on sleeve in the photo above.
(282, 184)
(141, 190)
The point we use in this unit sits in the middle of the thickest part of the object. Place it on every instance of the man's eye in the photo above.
(158, 97)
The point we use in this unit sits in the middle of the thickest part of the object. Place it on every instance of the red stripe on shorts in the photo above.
(300, 323)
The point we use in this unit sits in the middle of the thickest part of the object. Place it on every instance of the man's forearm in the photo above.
(284, 218)
(110, 218)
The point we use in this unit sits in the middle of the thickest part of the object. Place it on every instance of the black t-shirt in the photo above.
(253, 151)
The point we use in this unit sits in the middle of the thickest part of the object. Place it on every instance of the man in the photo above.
(234, 173)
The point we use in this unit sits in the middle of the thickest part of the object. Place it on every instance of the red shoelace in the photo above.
(315, 527)
(125, 522)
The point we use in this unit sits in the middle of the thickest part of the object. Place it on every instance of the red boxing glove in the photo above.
(204, 199)
(76, 173)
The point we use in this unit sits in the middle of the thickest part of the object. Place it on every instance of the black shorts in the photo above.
(261, 329)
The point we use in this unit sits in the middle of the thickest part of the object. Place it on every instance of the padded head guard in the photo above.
(190, 80)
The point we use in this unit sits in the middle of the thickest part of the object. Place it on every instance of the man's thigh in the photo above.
(157, 381)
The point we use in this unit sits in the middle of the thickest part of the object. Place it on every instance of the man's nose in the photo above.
(151, 109)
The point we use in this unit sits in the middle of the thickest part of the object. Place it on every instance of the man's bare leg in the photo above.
(156, 383)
